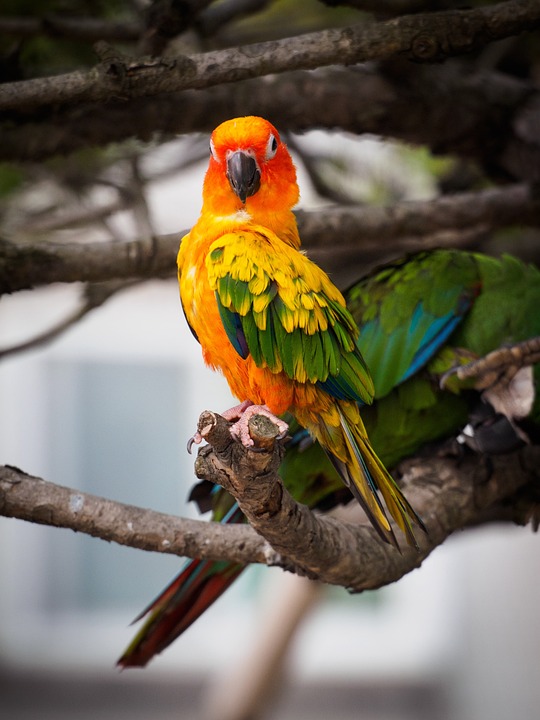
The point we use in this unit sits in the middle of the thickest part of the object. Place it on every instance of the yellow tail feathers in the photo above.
(368, 480)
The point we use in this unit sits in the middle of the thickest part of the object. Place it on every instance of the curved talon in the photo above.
(194, 440)
(447, 375)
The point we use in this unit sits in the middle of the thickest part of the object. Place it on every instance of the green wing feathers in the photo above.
(405, 317)
(279, 307)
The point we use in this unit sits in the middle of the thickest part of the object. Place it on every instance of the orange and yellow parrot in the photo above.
(272, 321)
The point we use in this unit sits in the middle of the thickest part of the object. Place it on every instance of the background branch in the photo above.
(490, 114)
(429, 37)
(369, 231)
(94, 296)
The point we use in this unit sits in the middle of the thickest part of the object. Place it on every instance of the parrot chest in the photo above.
(247, 379)
(198, 300)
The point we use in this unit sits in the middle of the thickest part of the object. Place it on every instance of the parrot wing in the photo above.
(281, 309)
(406, 317)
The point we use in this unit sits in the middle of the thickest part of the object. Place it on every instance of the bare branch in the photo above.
(367, 230)
(448, 495)
(30, 498)
(95, 295)
(324, 548)
(490, 114)
(429, 37)
(368, 227)
(164, 20)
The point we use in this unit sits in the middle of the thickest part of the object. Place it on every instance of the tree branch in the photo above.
(94, 296)
(429, 37)
(368, 230)
(448, 495)
(490, 114)
(370, 227)
(35, 500)
(324, 548)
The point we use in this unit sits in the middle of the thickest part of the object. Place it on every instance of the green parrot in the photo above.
(419, 318)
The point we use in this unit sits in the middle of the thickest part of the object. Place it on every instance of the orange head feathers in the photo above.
(250, 168)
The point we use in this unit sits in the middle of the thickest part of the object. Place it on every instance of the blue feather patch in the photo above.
(437, 334)
(233, 327)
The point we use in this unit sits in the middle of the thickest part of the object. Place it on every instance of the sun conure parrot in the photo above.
(418, 318)
(273, 322)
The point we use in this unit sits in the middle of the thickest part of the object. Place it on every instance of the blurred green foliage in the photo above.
(11, 178)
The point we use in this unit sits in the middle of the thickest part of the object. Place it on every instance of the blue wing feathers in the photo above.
(437, 334)
(233, 327)
(395, 356)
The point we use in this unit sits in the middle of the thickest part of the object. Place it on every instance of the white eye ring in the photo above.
(271, 147)
(213, 150)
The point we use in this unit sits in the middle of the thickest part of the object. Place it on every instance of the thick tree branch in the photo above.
(429, 37)
(368, 230)
(493, 115)
(30, 498)
(370, 227)
(342, 554)
(447, 494)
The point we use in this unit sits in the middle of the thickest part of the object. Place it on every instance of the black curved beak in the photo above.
(243, 174)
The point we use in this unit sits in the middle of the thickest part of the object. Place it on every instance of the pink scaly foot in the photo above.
(242, 414)
(240, 428)
(234, 413)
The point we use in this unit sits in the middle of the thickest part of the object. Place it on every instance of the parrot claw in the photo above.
(236, 412)
(498, 366)
(505, 379)
(194, 440)
(240, 429)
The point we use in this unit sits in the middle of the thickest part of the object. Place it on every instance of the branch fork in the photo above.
(250, 474)
(341, 553)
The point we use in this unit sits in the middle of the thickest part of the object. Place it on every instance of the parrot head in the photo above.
(250, 168)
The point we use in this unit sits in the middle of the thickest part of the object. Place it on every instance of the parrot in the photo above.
(273, 322)
(419, 317)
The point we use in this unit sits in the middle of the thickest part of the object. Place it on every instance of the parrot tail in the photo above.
(199, 584)
(368, 480)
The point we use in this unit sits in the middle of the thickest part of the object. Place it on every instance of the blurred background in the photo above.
(107, 407)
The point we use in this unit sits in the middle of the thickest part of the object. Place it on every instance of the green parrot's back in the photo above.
(403, 310)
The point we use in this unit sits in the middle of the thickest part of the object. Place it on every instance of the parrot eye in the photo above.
(213, 150)
(271, 148)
